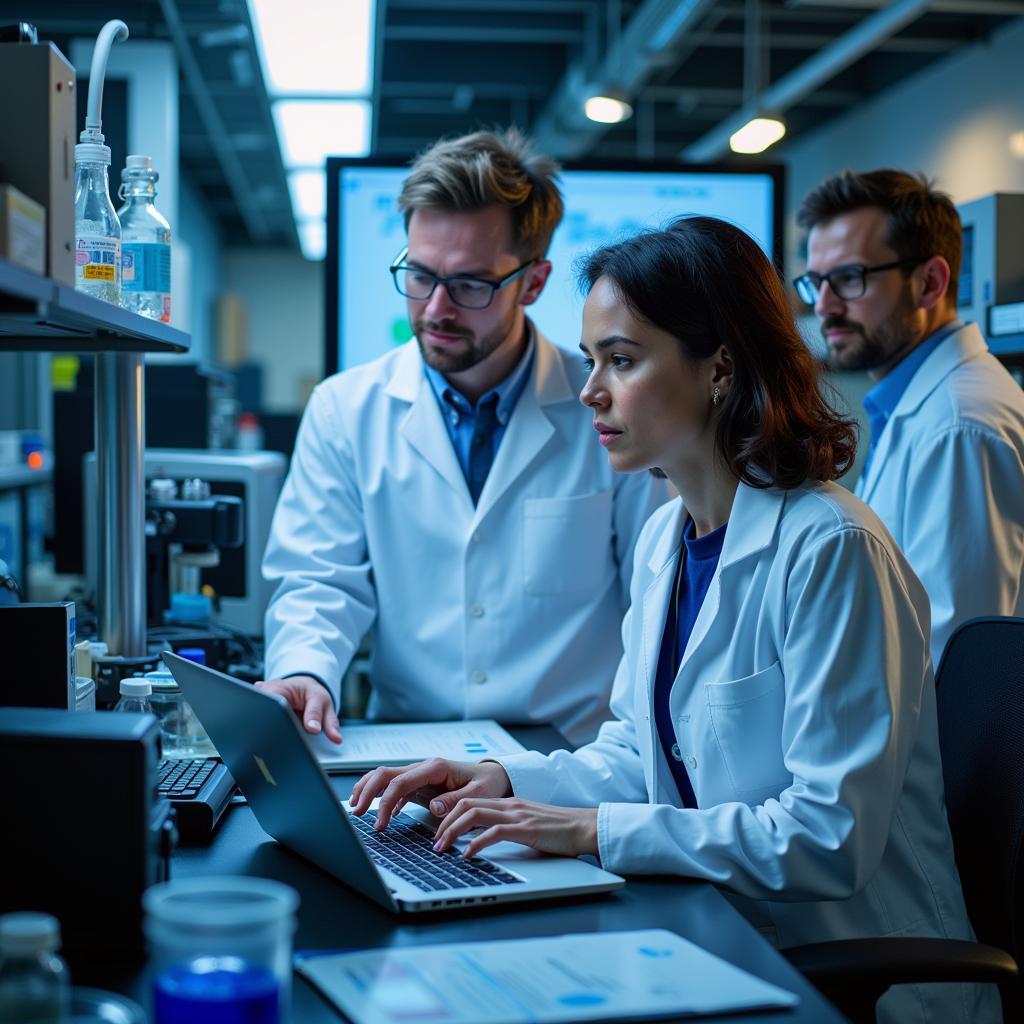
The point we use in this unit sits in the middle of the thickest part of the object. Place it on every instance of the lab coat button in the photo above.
(479, 677)
(676, 752)
(476, 611)
(477, 536)
(691, 761)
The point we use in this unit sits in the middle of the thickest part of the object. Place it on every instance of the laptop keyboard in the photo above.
(406, 847)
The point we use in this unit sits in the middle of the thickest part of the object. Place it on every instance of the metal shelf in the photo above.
(37, 314)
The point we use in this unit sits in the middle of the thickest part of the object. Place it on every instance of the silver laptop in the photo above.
(265, 749)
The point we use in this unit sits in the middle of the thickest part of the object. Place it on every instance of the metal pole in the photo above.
(120, 440)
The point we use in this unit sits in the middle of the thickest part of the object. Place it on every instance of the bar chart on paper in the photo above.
(373, 745)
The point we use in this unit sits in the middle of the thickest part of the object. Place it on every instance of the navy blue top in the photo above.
(699, 564)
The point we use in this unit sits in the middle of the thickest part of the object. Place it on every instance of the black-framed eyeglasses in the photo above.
(467, 292)
(847, 282)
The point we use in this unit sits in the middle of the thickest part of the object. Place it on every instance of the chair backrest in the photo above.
(980, 698)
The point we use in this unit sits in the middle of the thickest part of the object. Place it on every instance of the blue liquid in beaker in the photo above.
(216, 990)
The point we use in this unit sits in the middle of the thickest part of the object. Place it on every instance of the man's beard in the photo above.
(476, 350)
(884, 346)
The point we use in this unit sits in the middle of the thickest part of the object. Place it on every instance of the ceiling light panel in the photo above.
(312, 130)
(321, 47)
(309, 194)
(313, 239)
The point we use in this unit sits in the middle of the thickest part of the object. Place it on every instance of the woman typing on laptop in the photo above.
(775, 727)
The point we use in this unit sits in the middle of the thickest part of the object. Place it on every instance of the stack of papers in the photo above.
(372, 745)
(630, 975)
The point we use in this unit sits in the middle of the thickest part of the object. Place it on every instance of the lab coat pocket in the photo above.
(746, 716)
(567, 543)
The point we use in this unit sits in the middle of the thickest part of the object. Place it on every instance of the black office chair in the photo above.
(980, 684)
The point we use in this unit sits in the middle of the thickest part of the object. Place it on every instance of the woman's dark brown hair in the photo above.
(709, 284)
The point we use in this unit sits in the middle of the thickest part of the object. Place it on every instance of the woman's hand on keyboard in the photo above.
(436, 784)
(565, 831)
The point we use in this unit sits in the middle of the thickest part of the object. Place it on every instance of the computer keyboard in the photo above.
(200, 790)
(406, 847)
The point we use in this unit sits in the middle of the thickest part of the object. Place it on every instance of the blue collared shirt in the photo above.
(459, 414)
(881, 401)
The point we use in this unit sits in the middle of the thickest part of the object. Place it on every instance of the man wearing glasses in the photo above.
(450, 498)
(945, 462)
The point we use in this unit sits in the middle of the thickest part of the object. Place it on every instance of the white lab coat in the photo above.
(509, 610)
(804, 710)
(947, 479)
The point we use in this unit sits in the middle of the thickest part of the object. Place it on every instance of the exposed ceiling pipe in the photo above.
(231, 165)
(562, 128)
(806, 77)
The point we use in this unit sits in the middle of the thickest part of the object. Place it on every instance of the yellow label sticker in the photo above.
(98, 272)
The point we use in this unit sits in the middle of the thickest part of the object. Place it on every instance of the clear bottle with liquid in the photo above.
(97, 229)
(135, 694)
(145, 243)
(35, 985)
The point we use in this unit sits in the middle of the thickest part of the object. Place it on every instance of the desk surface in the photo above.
(332, 915)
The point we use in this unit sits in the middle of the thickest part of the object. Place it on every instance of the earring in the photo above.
(716, 397)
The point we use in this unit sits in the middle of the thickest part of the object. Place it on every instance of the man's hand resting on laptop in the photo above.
(476, 797)
(310, 700)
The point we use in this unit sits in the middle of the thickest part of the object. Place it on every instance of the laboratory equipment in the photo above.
(255, 478)
(80, 787)
(37, 124)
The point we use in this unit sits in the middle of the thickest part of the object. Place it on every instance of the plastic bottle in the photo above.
(249, 436)
(135, 694)
(145, 243)
(34, 980)
(97, 229)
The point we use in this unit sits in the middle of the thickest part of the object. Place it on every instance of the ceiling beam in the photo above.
(499, 35)
(809, 41)
(794, 86)
(1011, 8)
(495, 6)
(689, 98)
(485, 90)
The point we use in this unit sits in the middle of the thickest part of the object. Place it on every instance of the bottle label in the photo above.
(96, 259)
(146, 267)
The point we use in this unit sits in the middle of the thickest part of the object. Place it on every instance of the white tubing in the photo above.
(113, 30)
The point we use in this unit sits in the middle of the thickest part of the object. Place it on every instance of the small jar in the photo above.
(182, 734)
(167, 701)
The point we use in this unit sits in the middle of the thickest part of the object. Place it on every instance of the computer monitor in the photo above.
(365, 316)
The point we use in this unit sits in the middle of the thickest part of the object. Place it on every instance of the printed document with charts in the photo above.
(374, 744)
(635, 975)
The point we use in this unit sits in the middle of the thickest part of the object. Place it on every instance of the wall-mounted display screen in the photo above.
(366, 316)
